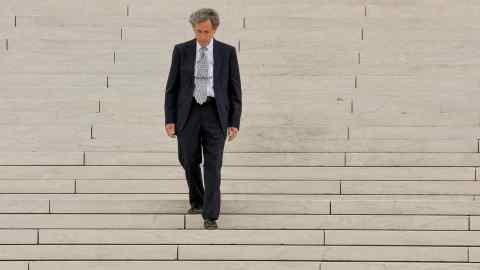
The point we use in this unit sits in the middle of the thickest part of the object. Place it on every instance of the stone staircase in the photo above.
(359, 146)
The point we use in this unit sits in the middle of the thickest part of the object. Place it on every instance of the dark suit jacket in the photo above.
(181, 84)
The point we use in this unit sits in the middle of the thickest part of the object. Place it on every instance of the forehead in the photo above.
(205, 25)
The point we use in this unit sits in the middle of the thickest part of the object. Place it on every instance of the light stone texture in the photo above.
(414, 132)
(37, 186)
(14, 206)
(181, 206)
(474, 254)
(41, 158)
(88, 252)
(397, 266)
(402, 238)
(90, 7)
(243, 197)
(229, 159)
(340, 222)
(225, 237)
(15, 237)
(253, 173)
(358, 147)
(475, 222)
(413, 207)
(14, 265)
(356, 253)
(174, 265)
(95, 221)
(413, 159)
(228, 187)
(405, 9)
(411, 187)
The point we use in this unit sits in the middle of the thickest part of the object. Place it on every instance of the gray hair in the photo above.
(204, 14)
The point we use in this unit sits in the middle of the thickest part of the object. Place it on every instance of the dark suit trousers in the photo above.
(203, 132)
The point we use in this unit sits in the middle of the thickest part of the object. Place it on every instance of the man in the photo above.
(203, 104)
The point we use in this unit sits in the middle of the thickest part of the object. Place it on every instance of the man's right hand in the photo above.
(170, 130)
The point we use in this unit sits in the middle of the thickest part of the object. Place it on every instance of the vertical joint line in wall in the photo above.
(469, 222)
(177, 252)
(345, 159)
(49, 206)
(348, 133)
(38, 236)
(478, 145)
(6, 44)
(114, 57)
(340, 181)
(320, 266)
(330, 206)
(108, 82)
(239, 45)
(121, 33)
(475, 176)
(468, 254)
(84, 158)
(358, 57)
(128, 10)
(362, 33)
(355, 81)
(99, 106)
(351, 106)
(244, 23)
(184, 221)
(324, 236)
(91, 132)
(28, 266)
(75, 186)
(365, 10)
(15, 21)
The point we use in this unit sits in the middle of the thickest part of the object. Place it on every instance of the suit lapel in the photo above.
(217, 63)
(192, 54)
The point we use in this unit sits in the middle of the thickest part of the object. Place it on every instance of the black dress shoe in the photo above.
(210, 224)
(195, 210)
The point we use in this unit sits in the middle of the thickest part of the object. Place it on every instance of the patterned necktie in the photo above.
(201, 78)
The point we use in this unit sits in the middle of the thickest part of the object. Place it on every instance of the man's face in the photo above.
(204, 32)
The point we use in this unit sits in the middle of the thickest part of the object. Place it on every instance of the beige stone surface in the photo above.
(413, 159)
(37, 186)
(433, 207)
(95, 221)
(15, 237)
(402, 238)
(15, 206)
(181, 206)
(174, 265)
(170, 237)
(411, 187)
(358, 147)
(339, 222)
(88, 252)
(355, 253)
(397, 265)
(228, 187)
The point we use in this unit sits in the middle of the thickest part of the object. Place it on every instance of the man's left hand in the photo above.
(232, 133)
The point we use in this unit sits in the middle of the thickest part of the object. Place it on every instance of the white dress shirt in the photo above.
(210, 91)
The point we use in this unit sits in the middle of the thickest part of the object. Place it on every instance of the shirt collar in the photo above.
(209, 46)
